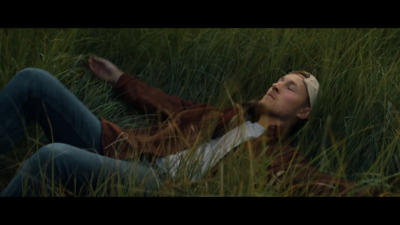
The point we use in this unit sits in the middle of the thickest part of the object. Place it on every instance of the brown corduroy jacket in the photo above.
(180, 124)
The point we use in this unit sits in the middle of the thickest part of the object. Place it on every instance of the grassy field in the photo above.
(354, 129)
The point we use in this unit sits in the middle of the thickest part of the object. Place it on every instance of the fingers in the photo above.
(97, 59)
(104, 69)
(94, 59)
(95, 62)
(91, 64)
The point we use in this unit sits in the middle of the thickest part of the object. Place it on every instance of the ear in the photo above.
(304, 113)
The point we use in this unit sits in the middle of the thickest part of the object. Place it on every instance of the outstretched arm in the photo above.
(136, 93)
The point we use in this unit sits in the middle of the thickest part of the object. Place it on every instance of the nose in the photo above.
(276, 87)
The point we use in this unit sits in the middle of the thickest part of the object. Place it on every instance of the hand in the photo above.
(104, 69)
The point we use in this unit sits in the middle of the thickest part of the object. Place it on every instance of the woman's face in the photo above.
(286, 98)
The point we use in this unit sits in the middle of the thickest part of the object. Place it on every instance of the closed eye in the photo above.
(291, 86)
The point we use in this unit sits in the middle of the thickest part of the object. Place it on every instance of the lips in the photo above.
(270, 95)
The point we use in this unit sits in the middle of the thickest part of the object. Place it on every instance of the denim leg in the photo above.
(36, 95)
(81, 172)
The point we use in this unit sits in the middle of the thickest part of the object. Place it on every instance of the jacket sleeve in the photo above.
(141, 96)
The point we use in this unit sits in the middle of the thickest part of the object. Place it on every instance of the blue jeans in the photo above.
(73, 161)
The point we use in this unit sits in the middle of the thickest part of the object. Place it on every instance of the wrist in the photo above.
(117, 76)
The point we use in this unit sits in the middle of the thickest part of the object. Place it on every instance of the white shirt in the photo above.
(196, 162)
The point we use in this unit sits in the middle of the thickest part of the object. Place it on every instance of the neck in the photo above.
(282, 127)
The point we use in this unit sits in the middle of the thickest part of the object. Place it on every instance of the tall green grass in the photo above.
(353, 132)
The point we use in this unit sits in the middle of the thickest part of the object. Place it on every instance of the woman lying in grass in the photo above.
(88, 155)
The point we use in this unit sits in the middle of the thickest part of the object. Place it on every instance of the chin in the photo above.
(264, 100)
(262, 107)
(265, 107)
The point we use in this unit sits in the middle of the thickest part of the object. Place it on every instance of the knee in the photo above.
(43, 166)
(32, 72)
(52, 151)
(40, 160)
(47, 154)
(32, 76)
